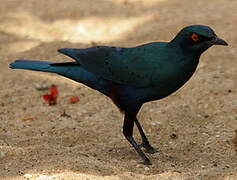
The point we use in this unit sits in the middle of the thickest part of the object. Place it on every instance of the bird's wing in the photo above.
(132, 66)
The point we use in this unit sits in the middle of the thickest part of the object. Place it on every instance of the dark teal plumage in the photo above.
(133, 76)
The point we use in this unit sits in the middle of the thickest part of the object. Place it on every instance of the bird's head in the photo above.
(197, 39)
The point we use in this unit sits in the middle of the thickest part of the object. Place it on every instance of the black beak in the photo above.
(218, 41)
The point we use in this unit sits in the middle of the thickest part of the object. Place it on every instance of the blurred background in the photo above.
(194, 129)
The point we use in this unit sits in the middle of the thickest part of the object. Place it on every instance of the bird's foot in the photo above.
(148, 148)
(146, 162)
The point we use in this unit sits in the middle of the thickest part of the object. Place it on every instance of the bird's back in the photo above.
(138, 66)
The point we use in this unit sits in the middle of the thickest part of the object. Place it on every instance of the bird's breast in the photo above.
(173, 77)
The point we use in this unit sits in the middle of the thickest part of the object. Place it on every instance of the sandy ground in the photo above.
(38, 143)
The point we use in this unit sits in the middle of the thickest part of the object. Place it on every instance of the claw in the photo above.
(146, 162)
(148, 148)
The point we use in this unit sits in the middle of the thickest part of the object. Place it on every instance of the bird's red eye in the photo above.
(194, 37)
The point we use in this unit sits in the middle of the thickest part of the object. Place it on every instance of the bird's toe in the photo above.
(150, 150)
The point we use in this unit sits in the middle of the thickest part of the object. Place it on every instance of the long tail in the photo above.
(45, 66)
(71, 70)
(31, 65)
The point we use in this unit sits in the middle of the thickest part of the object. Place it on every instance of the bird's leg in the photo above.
(145, 143)
(128, 133)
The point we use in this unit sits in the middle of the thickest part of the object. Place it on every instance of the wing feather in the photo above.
(133, 66)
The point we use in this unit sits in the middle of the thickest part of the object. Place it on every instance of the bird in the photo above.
(132, 76)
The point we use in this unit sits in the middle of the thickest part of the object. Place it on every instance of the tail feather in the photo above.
(44, 66)
(31, 65)
(71, 70)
